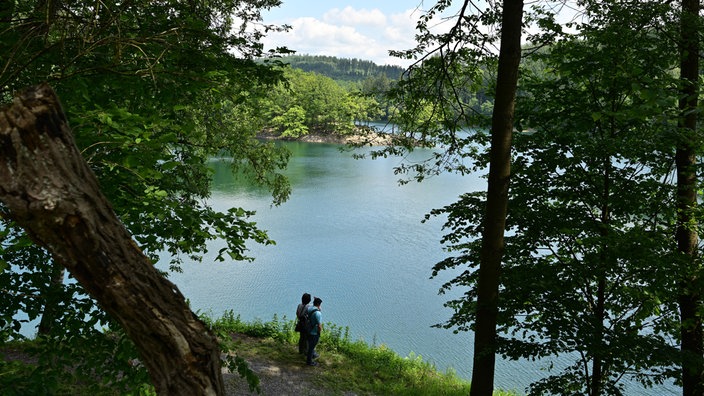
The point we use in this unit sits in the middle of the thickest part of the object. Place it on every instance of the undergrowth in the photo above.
(103, 363)
(349, 366)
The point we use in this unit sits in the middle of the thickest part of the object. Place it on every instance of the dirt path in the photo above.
(285, 377)
(281, 372)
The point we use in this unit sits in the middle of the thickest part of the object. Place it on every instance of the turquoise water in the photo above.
(352, 236)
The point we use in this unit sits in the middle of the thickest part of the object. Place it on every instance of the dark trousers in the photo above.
(302, 343)
(312, 342)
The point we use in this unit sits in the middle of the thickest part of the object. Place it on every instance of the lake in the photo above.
(353, 236)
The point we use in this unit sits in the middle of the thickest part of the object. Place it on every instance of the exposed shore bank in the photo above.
(366, 138)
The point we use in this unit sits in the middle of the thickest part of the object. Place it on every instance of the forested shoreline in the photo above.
(343, 69)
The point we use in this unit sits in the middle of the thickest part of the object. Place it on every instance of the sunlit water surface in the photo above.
(353, 236)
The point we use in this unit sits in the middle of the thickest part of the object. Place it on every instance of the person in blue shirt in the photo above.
(316, 318)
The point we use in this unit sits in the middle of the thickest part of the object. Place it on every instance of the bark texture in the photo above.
(51, 192)
(690, 298)
(497, 200)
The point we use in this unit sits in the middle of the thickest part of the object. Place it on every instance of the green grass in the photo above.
(350, 366)
(346, 365)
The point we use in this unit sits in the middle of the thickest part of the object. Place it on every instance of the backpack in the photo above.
(308, 324)
(301, 318)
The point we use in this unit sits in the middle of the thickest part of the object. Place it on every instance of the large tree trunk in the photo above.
(51, 192)
(497, 199)
(690, 298)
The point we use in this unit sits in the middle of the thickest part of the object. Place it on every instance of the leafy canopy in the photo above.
(153, 90)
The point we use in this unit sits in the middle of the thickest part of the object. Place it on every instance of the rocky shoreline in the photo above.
(366, 138)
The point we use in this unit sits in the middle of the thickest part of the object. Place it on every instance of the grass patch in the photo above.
(346, 365)
(101, 364)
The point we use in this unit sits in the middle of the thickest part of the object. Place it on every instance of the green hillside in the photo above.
(342, 69)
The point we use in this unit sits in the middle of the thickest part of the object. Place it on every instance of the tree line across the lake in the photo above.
(343, 69)
(329, 95)
(585, 244)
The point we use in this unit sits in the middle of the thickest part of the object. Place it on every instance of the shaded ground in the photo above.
(288, 376)
(281, 371)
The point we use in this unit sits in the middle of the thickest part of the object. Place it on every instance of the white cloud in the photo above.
(400, 32)
(352, 17)
(350, 33)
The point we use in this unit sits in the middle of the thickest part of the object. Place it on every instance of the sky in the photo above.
(362, 29)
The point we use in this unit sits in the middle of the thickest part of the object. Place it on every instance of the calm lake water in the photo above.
(352, 236)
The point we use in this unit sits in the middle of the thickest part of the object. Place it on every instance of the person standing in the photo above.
(316, 318)
(301, 311)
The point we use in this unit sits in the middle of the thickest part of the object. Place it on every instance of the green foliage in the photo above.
(291, 122)
(365, 82)
(279, 329)
(92, 363)
(238, 365)
(342, 69)
(223, 328)
(588, 267)
(27, 384)
(440, 105)
(148, 128)
(311, 102)
(152, 91)
(591, 217)
(445, 98)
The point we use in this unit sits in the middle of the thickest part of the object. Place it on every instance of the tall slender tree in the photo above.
(688, 148)
(494, 222)
(436, 102)
(602, 129)
(613, 278)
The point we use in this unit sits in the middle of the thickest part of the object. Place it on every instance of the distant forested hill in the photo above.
(341, 69)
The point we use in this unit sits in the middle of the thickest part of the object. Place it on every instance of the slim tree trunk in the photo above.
(597, 377)
(690, 298)
(51, 192)
(51, 308)
(497, 199)
(605, 262)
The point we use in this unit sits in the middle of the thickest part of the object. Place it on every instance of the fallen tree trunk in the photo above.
(52, 193)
